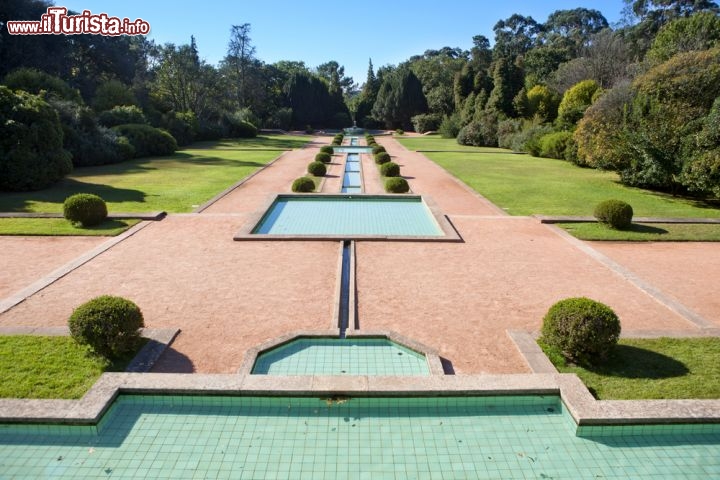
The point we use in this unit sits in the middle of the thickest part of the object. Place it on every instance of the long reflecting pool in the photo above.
(348, 215)
(150, 437)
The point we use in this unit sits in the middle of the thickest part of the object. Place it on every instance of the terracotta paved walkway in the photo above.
(459, 298)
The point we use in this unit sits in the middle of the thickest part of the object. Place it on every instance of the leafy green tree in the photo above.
(312, 103)
(31, 143)
(700, 31)
(507, 81)
(572, 29)
(185, 83)
(542, 102)
(113, 93)
(541, 62)
(514, 36)
(606, 61)
(601, 134)
(436, 71)
(35, 81)
(399, 99)
(576, 100)
(240, 57)
(48, 53)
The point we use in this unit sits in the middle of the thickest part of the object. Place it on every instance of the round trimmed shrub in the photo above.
(317, 168)
(585, 331)
(614, 213)
(85, 208)
(323, 157)
(400, 131)
(390, 169)
(373, 144)
(396, 185)
(327, 149)
(109, 325)
(382, 157)
(378, 149)
(303, 185)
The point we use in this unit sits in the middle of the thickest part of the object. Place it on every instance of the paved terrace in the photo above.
(227, 297)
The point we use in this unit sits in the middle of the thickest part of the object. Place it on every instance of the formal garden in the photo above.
(573, 213)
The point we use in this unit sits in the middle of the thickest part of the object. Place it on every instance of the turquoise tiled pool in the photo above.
(151, 437)
(341, 356)
(348, 215)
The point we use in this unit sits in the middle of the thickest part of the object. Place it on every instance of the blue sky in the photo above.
(349, 32)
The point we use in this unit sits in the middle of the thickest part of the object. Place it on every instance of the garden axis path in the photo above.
(459, 298)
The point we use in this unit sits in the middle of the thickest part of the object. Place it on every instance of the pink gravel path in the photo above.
(461, 298)
(25, 259)
(689, 272)
(274, 179)
(187, 272)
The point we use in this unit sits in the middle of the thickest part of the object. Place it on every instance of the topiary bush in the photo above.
(390, 169)
(323, 157)
(614, 213)
(303, 185)
(109, 325)
(378, 149)
(85, 209)
(396, 185)
(585, 331)
(400, 131)
(327, 149)
(317, 168)
(382, 157)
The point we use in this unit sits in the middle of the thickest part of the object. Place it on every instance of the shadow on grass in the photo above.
(644, 228)
(259, 142)
(21, 201)
(195, 160)
(633, 362)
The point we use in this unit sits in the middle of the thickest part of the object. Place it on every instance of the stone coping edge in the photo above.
(431, 355)
(149, 216)
(450, 233)
(585, 410)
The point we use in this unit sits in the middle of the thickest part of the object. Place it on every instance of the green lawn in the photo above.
(646, 232)
(175, 183)
(50, 367)
(525, 185)
(60, 226)
(663, 368)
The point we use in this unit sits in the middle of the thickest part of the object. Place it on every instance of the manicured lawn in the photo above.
(60, 226)
(646, 232)
(663, 368)
(175, 183)
(49, 367)
(525, 185)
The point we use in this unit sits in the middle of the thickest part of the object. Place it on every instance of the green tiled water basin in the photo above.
(351, 215)
(341, 356)
(182, 437)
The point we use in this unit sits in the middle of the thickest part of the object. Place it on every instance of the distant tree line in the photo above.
(642, 98)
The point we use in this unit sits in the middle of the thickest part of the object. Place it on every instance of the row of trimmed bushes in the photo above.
(394, 183)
